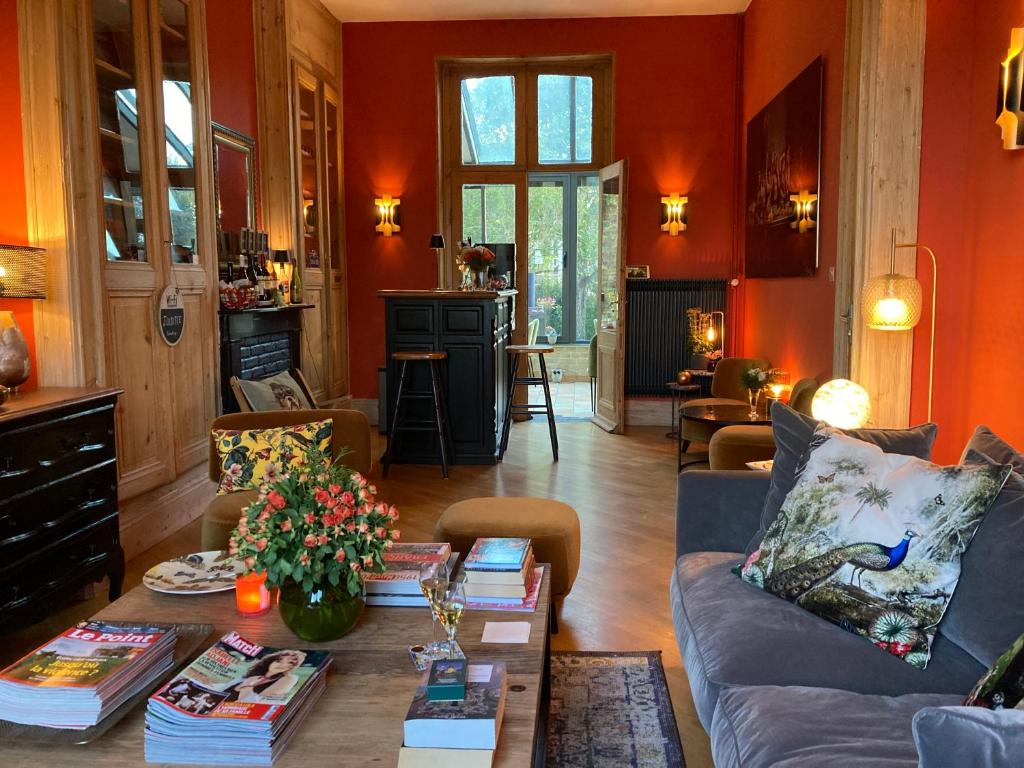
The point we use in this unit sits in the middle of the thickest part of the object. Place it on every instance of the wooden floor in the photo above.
(623, 488)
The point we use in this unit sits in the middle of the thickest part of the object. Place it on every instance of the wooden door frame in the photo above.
(879, 182)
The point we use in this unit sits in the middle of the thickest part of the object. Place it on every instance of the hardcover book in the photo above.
(526, 605)
(504, 554)
(520, 577)
(470, 724)
(416, 552)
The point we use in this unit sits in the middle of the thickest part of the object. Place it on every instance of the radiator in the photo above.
(656, 329)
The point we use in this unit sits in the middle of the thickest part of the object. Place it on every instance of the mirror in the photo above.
(234, 179)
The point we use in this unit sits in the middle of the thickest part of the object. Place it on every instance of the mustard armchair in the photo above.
(351, 431)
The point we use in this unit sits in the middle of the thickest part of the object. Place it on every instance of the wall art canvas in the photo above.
(783, 160)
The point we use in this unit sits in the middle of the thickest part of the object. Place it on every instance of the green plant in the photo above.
(696, 342)
(319, 523)
(755, 378)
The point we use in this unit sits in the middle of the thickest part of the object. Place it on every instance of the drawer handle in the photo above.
(83, 507)
(9, 473)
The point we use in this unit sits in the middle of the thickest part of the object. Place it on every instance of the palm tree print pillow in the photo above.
(871, 541)
(251, 457)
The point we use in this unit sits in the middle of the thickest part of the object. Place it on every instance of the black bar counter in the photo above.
(474, 328)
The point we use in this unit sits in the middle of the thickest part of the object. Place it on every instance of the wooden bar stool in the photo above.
(519, 351)
(398, 424)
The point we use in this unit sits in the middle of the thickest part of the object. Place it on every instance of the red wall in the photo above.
(13, 223)
(971, 193)
(675, 116)
(789, 320)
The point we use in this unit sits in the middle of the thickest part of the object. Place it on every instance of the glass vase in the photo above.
(324, 614)
(754, 395)
(479, 282)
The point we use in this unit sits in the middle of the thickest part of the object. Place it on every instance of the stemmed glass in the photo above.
(434, 584)
(453, 605)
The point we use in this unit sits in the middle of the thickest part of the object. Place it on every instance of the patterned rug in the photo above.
(611, 710)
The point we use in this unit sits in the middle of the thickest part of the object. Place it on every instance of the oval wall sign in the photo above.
(171, 315)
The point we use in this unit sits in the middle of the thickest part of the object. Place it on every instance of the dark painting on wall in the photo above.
(783, 158)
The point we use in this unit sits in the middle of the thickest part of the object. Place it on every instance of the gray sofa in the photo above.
(775, 685)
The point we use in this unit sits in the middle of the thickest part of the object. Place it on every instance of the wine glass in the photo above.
(433, 583)
(453, 605)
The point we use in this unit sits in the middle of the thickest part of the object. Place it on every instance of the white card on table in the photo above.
(506, 632)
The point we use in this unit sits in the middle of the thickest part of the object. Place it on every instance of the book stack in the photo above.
(399, 585)
(457, 734)
(84, 674)
(502, 575)
(239, 703)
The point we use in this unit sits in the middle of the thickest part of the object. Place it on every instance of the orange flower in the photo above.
(276, 500)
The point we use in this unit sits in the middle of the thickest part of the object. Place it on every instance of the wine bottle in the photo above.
(296, 285)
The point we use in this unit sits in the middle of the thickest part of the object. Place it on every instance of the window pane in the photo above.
(489, 120)
(545, 255)
(586, 257)
(565, 118)
(489, 213)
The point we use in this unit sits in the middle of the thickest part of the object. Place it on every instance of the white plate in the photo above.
(197, 574)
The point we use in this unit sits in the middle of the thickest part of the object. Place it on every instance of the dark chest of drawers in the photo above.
(58, 500)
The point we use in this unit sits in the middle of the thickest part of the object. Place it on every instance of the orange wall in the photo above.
(971, 193)
(789, 320)
(13, 223)
(675, 117)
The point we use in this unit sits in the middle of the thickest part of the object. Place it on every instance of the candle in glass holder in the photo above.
(251, 594)
(776, 391)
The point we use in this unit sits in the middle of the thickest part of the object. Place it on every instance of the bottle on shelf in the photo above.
(296, 285)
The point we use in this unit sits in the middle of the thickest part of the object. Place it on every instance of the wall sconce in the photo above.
(673, 214)
(1008, 116)
(387, 215)
(803, 209)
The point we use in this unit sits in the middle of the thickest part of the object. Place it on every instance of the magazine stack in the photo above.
(239, 703)
(399, 585)
(84, 674)
(502, 575)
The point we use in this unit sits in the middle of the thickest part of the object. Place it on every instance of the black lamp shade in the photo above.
(22, 272)
(282, 256)
(437, 241)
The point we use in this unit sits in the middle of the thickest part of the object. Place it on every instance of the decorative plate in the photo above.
(196, 574)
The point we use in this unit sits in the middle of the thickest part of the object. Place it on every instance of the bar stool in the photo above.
(397, 423)
(518, 351)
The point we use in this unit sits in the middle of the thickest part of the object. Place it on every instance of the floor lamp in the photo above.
(892, 302)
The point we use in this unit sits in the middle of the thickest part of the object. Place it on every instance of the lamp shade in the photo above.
(891, 302)
(841, 403)
(282, 256)
(437, 242)
(22, 272)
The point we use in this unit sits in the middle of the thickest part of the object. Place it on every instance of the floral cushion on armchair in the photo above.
(251, 457)
(871, 541)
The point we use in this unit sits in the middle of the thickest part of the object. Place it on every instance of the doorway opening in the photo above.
(562, 288)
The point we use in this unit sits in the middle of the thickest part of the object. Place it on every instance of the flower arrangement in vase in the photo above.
(477, 258)
(754, 380)
(314, 531)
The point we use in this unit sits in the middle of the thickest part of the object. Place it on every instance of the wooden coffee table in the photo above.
(359, 720)
(716, 417)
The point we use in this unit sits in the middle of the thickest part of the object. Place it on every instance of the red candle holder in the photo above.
(251, 594)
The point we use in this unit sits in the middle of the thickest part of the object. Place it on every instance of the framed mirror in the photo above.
(234, 179)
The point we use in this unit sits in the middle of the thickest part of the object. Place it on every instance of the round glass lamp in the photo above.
(891, 302)
(841, 403)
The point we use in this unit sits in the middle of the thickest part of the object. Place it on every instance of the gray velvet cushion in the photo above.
(731, 633)
(800, 727)
(792, 432)
(956, 737)
(988, 443)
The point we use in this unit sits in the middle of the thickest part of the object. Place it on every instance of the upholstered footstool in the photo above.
(553, 527)
(732, 447)
(221, 518)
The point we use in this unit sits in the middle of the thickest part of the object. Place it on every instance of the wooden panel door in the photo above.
(611, 311)
(334, 227)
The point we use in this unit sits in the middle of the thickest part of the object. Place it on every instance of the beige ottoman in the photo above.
(553, 527)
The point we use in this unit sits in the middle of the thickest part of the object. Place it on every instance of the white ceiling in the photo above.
(435, 10)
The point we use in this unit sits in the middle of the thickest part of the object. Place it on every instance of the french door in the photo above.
(611, 311)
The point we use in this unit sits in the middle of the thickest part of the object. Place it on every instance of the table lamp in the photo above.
(437, 246)
(892, 302)
(841, 403)
(282, 260)
(22, 276)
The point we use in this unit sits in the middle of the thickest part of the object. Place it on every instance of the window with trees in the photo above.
(521, 143)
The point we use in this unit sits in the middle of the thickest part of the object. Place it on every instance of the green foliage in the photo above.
(321, 522)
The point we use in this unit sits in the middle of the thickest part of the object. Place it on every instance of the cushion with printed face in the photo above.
(250, 458)
(280, 392)
(871, 541)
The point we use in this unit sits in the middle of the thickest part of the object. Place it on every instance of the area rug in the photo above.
(611, 710)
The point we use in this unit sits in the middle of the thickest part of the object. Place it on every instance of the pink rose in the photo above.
(304, 558)
(322, 539)
(340, 556)
(286, 526)
(276, 500)
(368, 561)
(363, 527)
(261, 545)
(335, 489)
(396, 535)
(250, 563)
(310, 518)
(379, 532)
(310, 540)
(353, 566)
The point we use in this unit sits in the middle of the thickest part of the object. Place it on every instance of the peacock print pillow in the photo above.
(251, 457)
(871, 541)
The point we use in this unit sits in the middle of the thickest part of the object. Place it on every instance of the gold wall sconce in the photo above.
(804, 204)
(673, 214)
(387, 215)
(1009, 117)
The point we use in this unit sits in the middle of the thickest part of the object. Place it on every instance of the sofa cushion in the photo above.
(732, 633)
(800, 727)
(251, 457)
(954, 737)
(792, 432)
(988, 443)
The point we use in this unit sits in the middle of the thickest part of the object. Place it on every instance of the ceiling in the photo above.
(435, 10)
